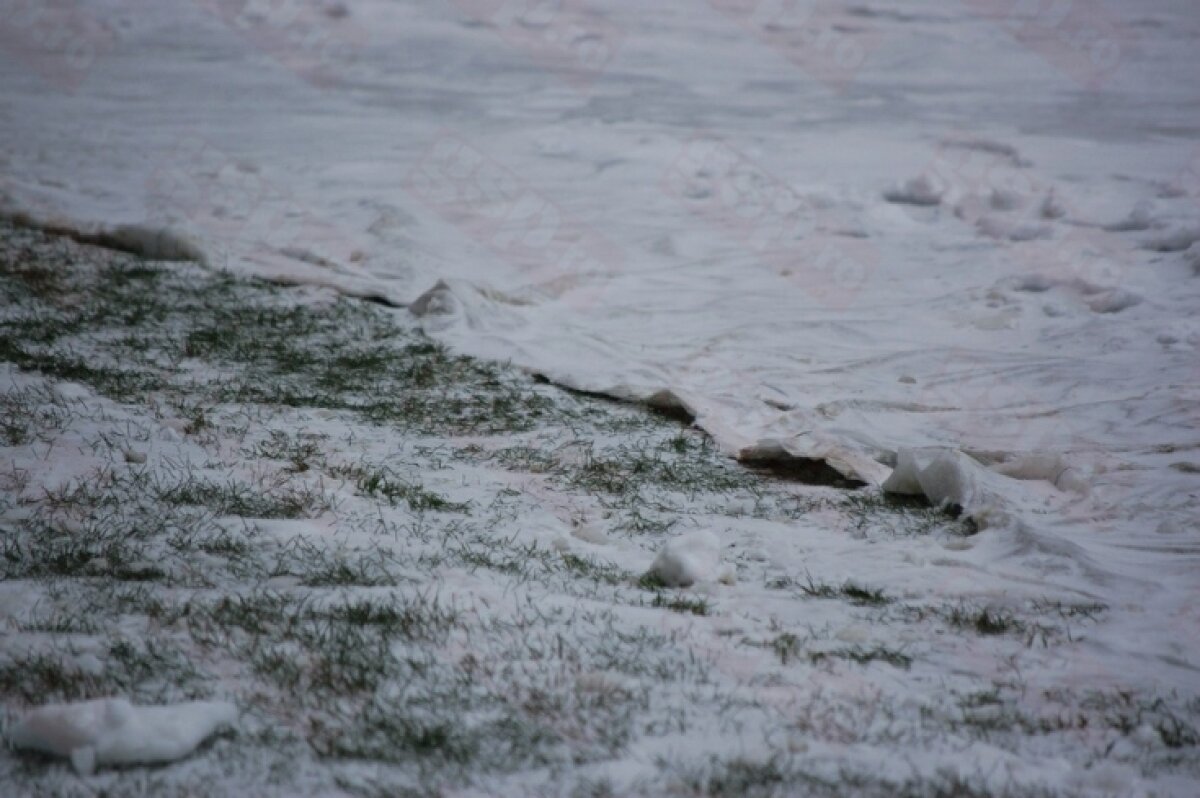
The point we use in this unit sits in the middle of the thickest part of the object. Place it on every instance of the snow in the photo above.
(112, 731)
(690, 559)
(944, 476)
(964, 265)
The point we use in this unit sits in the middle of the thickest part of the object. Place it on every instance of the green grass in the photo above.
(864, 656)
(790, 647)
(684, 604)
(148, 669)
(890, 515)
(287, 354)
(385, 483)
(847, 591)
(236, 499)
(786, 774)
(1004, 709)
(589, 568)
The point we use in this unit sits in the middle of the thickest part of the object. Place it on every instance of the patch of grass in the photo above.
(236, 499)
(864, 656)
(744, 777)
(782, 774)
(151, 669)
(990, 621)
(1003, 710)
(97, 548)
(651, 581)
(682, 463)
(311, 357)
(1088, 611)
(322, 568)
(114, 381)
(530, 459)
(895, 515)
(383, 482)
(390, 734)
(591, 569)
(684, 604)
(984, 620)
(28, 413)
(61, 621)
(506, 556)
(1126, 712)
(786, 646)
(42, 676)
(414, 617)
(847, 591)
(300, 454)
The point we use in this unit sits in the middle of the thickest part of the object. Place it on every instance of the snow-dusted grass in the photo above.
(416, 572)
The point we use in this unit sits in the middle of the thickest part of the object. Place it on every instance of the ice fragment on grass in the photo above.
(943, 476)
(111, 731)
(690, 559)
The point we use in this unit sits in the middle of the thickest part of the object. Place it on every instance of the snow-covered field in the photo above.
(414, 571)
(945, 248)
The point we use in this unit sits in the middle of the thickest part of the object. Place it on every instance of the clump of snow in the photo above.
(437, 301)
(1113, 301)
(919, 190)
(1141, 218)
(944, 476)
(1052, 468)
(1175, 241)
(690, 559)
(112, 731)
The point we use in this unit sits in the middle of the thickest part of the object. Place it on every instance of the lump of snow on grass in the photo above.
(944, 476)
(690, 559)
(111, 731)
(1113, 301)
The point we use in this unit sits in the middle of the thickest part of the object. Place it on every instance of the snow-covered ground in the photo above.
(957, 237)
(411, 571)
